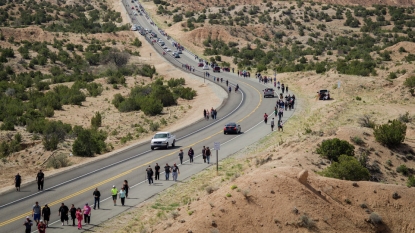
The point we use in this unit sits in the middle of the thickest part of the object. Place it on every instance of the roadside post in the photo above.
(150, 56)
(216, 146)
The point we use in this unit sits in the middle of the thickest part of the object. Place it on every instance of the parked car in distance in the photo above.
(168, 50)
(226, 69)
(163, 139)
(324, 95)
(200, 64)
(205, 67)
(269, 92)
(176, 55)
(179, 51)
(216, 69)
(133, 28)
(232, 128)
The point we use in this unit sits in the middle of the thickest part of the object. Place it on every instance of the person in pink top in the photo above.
(79, 217)
(87, 214)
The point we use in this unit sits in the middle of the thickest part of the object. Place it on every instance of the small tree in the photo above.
(84, 144)
(151, 106)
(347, 168)
(390, 134)
(96, 120)
(333, 148)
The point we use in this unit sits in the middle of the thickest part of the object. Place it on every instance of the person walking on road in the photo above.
(122, 194)
(79, 217)
(46, 214)
(157, 171)
(63, 212)
(28, 225)
(204, 113)
(17, 181)
(272, 124)
(114, 192)
(41, 227)
(97, 196)
(87, 213)
(191, 153)
(149, 175)
(181, 156)
(265, 118)
(175, 170)
(72, 211)
(280, 126)
(40, 177)
(204, 154)
(167, 170)
(126, 188)
(208, 155)
(36, 211)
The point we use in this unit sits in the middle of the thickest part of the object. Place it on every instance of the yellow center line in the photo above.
(57, 202)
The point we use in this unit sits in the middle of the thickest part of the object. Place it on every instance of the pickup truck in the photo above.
(163, 139)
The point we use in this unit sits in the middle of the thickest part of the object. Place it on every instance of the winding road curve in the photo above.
(76, 186)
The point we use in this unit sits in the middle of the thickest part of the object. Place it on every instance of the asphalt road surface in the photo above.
(76, 186)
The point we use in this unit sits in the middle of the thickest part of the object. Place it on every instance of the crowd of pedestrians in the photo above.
(210, 114)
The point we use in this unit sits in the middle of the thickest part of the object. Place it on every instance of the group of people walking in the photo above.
(212, 113)
(41, 216)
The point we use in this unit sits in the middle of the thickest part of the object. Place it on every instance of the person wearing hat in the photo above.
(175, 170)
(87, 213)
(46, 214)
(114, 192)
(28, 224)
(41, 227)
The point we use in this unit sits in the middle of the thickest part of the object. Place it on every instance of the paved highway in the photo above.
(76, 186)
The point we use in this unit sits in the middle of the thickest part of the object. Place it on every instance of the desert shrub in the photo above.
(94, 89)
(8, 124)
(177, 18)
(58, 161)
(173, 82)
(306, 222)
(116, 57)
(96, 120)
(357, 140)
(390, 134)
(154, 126)
(333, 148)
(162, 93)
(146, 71)
(184, 93)
(137, 42)
(48, 111)
(403, 169)
(411, 181)
(410, 82)
(348, 168)
(366, 121)
(375, 218)
(89, 142)
(405, 118)
(151, 106)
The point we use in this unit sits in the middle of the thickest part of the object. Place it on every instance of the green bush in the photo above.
(174, 82)
(151, 106)
(403, 169)
(89, 142)
(177, 18)
(410, 82)
(333, 148)
(137, 43)
(411, 181)
(96, 120)
(390, 134)
(347, 168)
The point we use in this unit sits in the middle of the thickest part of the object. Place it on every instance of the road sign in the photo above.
(216, 145)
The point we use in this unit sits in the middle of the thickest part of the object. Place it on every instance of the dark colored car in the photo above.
(269, 92)
(226, 69)
(200, 64)
(324, 95)
(232, 128)
(216, 69)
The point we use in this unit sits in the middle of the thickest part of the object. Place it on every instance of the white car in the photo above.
(164, 47)
(168, 50)
(133, 28)
(163, 139)
(205, 67)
